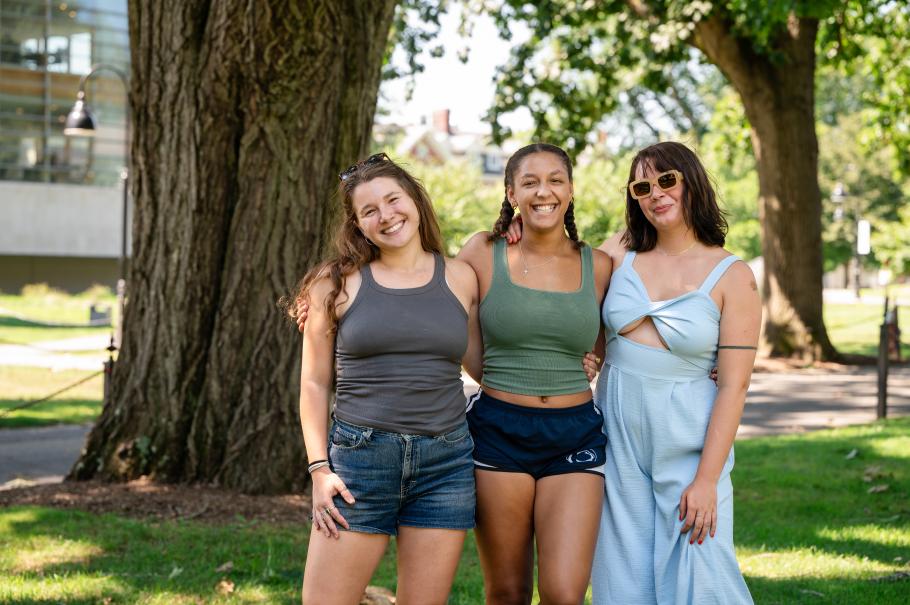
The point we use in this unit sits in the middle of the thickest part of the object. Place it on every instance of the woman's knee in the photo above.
(513, 593)
(561, 593)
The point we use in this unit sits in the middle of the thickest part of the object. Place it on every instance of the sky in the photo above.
(466, 89)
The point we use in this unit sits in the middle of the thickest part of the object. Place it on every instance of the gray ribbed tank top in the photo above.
(398, 357)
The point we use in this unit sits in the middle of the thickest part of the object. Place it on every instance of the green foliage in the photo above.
(416, 23)
(465, 202)
(890, 242)
(600, 202)
(583, 57)
(849, 155)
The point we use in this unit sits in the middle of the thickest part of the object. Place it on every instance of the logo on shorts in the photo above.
(582, 457)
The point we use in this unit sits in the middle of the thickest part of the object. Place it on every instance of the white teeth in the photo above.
(393, 229)
(546, 208)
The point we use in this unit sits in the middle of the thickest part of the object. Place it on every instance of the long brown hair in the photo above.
(507, 212)
(352, 249)
(700, 209)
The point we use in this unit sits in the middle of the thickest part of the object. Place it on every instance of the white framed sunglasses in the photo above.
(665, 181)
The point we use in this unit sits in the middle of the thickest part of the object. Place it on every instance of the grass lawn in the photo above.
(854, 328)
(42, 304)
(808, 531)
(18, 384)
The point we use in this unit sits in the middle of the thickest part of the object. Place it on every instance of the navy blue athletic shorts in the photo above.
(537, 441)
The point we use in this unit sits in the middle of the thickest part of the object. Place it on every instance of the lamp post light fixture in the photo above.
(81, 123)
(860, 241)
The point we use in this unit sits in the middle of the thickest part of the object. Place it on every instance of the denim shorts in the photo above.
(401, 479)
(537, 441)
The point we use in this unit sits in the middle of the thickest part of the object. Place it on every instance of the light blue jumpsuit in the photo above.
(656, 405)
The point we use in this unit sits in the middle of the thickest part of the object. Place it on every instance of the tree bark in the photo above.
(778, 96)
(244, 113)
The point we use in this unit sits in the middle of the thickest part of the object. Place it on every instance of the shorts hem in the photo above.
(452, 526)
(499, 469)
(483, 466)
(586, 471)
(366, 529)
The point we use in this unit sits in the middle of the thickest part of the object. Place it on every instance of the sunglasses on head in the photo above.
(373, 159)
(665, 181)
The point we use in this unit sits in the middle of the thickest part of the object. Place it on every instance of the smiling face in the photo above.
(542, 189)
(386, 214)
(662, 208)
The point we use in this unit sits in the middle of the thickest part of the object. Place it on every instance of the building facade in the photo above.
(60, 197)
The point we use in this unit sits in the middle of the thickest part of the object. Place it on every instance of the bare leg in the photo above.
(427, 561)
(337, 571)
(566, 519)
(505, 516)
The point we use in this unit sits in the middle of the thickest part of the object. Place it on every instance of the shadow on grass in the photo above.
(168, 562)
(817, 592)
(798, 497)
(131, 560)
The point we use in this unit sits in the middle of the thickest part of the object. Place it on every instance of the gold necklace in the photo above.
(665, 253)
(527, 268)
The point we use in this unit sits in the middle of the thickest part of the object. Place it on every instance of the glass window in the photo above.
(45, 48)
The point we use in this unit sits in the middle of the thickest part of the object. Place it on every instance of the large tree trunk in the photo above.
(244, 112)
(778, 96)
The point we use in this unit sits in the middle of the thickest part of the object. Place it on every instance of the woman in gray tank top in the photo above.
(391, 323)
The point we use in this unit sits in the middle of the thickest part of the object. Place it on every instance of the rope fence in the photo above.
(34, 402)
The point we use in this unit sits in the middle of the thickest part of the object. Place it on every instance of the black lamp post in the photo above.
(840, 196)
(81, 123)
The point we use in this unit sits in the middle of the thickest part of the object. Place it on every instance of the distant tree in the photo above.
(580, 55)
(244, 114)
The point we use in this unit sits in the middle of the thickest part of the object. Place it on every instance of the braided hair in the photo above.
(571, 229)
(506, 213)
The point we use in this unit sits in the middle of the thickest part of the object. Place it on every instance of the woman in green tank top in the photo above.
(539, 448)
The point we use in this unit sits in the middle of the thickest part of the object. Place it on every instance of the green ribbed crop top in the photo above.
(534, 340)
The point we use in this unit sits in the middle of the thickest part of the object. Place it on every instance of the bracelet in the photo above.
(312, 462)
(317, 465)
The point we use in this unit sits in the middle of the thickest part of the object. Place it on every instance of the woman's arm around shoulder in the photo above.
(478, 252)
(476, 249)
(614, 247)
(603, 269)
(463, 282)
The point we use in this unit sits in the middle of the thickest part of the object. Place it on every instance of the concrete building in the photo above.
(60, 197)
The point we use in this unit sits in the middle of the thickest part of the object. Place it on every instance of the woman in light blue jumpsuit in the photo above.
(677, 305)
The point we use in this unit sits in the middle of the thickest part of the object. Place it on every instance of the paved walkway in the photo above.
(781, 402)
(58, 354)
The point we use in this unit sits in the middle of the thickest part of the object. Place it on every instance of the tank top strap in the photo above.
(718, 272)
(627, 258)
(439, 269)
(500, 261)
(587, 268)
(366, 274)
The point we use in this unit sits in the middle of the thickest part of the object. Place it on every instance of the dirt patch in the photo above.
(143, 499)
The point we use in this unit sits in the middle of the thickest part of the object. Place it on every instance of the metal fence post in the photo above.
(881, 409)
